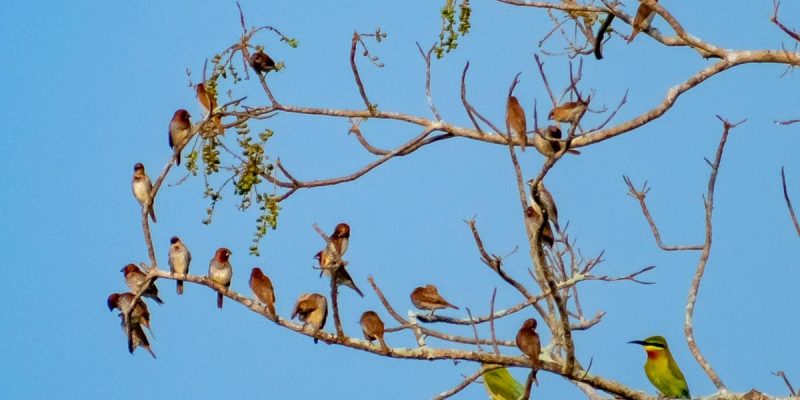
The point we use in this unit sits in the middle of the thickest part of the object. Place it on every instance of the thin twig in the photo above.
(789, 202)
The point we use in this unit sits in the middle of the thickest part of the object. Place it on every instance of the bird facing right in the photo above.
(515, 121)
(662, 370)
(180, 129)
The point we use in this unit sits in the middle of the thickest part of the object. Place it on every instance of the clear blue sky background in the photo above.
(89, 88)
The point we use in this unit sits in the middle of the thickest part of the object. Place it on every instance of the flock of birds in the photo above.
(312, 308)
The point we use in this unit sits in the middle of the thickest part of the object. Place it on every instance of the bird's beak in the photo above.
(122, 269)
(639, 342)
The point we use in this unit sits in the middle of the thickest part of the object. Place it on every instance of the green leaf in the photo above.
(501, 385)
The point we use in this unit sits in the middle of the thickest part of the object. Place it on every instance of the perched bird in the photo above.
(262, 288)
(180, 129)
(261, 62)
(528, 342)
(373, 328)
(312, 308)
(515, 121)
(340, 273)
(209, 103)
(122, 301)
(644, 15)
(548, 203)
(662, 370)
(547, 141)
(427, 298)
(533, 216)
(137, 338)
(135, 279)
(220, 271)
(340, 239)
(570, 112)
(142, 187)
(179, 260)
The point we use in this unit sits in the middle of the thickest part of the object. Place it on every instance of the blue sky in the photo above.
(90, 88)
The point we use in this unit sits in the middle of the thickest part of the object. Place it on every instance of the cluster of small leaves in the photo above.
(292, 42)
(270, 208)
(253, 164)
(211, 155)
(448, 36)
(191, 162)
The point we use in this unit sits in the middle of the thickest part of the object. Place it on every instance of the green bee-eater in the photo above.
(662, 370)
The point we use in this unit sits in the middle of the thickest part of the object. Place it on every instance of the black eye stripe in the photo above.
(651, 344)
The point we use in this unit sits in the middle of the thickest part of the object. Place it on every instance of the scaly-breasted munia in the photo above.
(220, 271)
(135, 279)
(644, 15)
(547, 141)
(528, 342)
(262, 288)
(179, 260)
(340, 239)
(261, 62)
(515, 121)
(532, 216)
(312, 308)
(549, 204)
(141, 186)
(373, 329)
(209, 104)
(180, 129)
(570, 112)
(122, 301)
(427, 298)
(137, 337)
(341, 275)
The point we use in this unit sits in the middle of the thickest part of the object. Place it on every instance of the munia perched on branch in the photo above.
(427, 298)
(312, 309)
(180, 129)
(220, 271)
(262, 289)
(515, 121)
(209, 103)
(569, 112)
(261, 62)
(140, 316)
(532, 217)
(548, 141)
(340, 273)
(373, 329)
(141, 187)
(135, 279)
(528, 342)
(644, 15)
(548, 203)
(179, 260)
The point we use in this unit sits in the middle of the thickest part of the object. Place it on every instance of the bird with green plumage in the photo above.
(662, 370)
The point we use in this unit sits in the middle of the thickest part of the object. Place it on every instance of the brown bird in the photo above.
(141, 186)
(373, 329)
(122, 301)
(135, 279)
(533, 216)
(261, 62)
(549, 204)
(515, 121)
(262, 289)
(220, 271)
(528, 342)
(137, 337)
(180, 130)
(179, 260)
(341, 275)
(312, 308)
(209, 103)
(427, 298)
(570, 112)
(644, 15)
(340, 239)
(547, 141)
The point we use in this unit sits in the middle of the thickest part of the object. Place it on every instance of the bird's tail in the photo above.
(271, 310)
(153, 214)
(219, 300)
(576, 152)
(179, 287)
(384, 347)
(452, 306)
(158, 300)
(352, 285)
